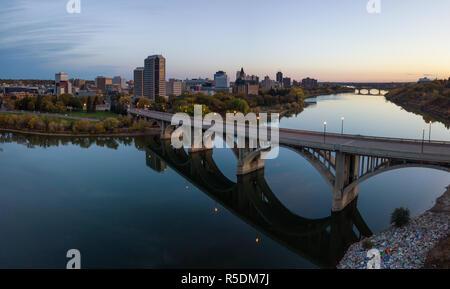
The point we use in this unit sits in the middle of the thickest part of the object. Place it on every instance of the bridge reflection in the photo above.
(321, 241)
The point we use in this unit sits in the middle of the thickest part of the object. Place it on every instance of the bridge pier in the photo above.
(346, 172)
(249, 160)
(166, 130)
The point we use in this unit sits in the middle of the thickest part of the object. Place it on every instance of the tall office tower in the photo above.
(155, 77)
(221, 81)
(280, 77)
(120, 81)
(102, 83)
(139, 82)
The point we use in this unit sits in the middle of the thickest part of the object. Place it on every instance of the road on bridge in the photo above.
(438, 151)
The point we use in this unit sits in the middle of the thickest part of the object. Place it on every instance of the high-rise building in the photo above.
(221, 81)
(80, 83)
(267, 83)
(61, 76)
(62, 84)
(139, 82)
(279, 77)
(155, 77)
(244, 86)
(287, 82)
(174, 87)
(240, 74)
(252, 78)
(102, 83)
(120, 81)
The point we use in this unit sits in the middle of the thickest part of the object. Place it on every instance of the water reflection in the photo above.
(94, 184)
(366, 115)
(321, 241)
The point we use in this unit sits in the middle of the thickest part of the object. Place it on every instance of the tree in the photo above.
(160, 99)
(125, 100)
(238, 105)
(143, 102)
(400, 217)
(75, 103)
(31, 106)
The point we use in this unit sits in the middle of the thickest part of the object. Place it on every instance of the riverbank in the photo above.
(409, 246)
(430, 99)
(122, 134)
(60, 125)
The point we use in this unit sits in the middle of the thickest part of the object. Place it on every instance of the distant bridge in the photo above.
(344, 161)
(371, 86)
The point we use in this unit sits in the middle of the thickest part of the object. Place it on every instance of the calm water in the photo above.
(135, 203)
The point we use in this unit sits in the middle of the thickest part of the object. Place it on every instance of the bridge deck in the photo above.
(438, 151)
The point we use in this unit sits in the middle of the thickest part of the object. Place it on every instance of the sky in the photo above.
(332, 40)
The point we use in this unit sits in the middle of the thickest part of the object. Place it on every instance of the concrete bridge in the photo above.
(344, 161)
(371, 86)
(322, 241)
(369, 90)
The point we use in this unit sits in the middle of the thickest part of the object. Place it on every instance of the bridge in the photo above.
(322, 241)
(344, 161)
(371, 86)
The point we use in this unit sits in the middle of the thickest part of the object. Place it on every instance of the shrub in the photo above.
(400, 217)
(100, 128)
(82, 126)
(367, 244)
(110, 123)
(53, 126)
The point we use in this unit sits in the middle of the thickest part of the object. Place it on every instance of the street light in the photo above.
(423, 137)
(429, 133)
(342, 125)
(324, 130)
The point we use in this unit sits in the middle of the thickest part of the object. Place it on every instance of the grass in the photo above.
(58, 119)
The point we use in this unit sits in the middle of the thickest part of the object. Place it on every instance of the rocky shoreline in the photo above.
(406, 247)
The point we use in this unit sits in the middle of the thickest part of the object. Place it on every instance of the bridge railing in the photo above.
(166, 116)
(364, 137)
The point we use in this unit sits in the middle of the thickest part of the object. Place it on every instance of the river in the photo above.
(133, 202)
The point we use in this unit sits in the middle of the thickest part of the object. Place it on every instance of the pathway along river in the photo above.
(125, 203)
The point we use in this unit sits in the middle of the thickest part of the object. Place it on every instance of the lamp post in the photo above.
(342, 125)
(429, 133)
(324, 130)
(423, 137)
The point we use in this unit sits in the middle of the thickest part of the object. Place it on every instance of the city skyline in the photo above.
(320, 39)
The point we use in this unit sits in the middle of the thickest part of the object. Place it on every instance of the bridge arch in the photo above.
(323, 170)
(381, 170)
